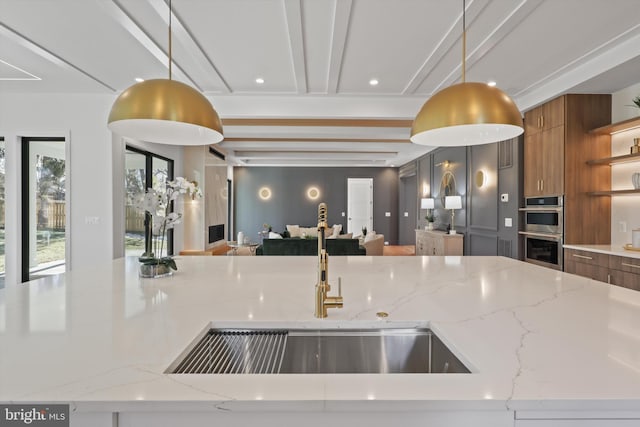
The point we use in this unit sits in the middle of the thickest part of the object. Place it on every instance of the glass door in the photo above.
(135, 186)
(2, 210)
(143, 170)
(44, 207)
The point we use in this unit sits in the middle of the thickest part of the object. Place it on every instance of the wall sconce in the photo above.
(481, 178)
(425, 189)
(453, 203)
(313, 193)
(264, 193)
(444, 164)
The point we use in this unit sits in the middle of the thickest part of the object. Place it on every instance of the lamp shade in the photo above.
(165, 111)
(453, 202)
(467, 114)
(427, 203)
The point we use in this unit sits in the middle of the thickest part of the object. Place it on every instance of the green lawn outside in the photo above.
(55, 250)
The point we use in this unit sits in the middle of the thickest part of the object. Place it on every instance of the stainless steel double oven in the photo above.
(544, 231)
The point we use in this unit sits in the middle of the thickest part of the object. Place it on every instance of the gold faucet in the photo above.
(323, 300)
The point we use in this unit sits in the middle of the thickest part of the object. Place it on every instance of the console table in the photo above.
(433, 242)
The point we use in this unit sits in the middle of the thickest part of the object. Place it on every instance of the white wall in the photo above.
(93, 155)
(624, 209)
(194, 160)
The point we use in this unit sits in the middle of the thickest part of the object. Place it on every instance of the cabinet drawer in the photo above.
(625, 279)
(586, 257)
(587, 264)
(631, 265)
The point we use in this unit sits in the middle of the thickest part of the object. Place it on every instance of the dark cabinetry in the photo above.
(613, 269)
(625, 272)
(587, 264)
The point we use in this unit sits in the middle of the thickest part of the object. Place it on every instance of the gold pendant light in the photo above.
(466, 113)
(165, 111)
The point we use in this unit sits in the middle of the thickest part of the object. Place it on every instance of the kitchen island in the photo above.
(544, 348)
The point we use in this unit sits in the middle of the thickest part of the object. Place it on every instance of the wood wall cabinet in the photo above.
(544, 162)
(545, 117)
(557, 145)
(544, 149)
(434, 242)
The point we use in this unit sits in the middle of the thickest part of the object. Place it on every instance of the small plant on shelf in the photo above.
(636, 102)
(430, 217)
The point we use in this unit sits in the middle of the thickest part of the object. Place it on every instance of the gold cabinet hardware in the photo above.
(582, 256)
(630, 265)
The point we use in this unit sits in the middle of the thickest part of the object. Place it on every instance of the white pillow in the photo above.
(273, 235)
(294, 230)
(309, 231)
(370, 236)
(337, 228)
(345, 236)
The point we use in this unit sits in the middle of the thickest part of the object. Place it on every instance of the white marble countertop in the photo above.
(534, 338)
(606, 249)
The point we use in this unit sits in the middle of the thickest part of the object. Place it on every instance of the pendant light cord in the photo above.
(464, 41)
(170, 61)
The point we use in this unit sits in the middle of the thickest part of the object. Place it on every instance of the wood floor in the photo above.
(403, 250)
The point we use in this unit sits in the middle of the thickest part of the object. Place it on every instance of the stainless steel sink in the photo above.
(319, 351)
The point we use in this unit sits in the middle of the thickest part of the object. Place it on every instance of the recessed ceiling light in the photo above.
(373, 82)
(260, 80)
(491, 83)
(139, 80)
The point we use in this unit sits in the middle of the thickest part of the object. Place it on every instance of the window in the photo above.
(44, 207)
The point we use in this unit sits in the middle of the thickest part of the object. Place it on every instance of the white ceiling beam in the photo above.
(339, 33)
(117, 12)
(344, 155)
(192, 46)
(616, 51)
(504, 28)
(310, 162)
(293, 12)
(48, 55)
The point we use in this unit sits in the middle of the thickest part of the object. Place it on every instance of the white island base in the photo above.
(544, 348)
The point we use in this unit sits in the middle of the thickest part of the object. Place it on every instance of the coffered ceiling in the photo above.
(317, 59)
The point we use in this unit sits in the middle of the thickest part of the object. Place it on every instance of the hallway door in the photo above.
(359, 205)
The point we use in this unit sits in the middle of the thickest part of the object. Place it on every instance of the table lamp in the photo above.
(453, 203)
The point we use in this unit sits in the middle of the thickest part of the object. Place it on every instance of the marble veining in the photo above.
(533, 338)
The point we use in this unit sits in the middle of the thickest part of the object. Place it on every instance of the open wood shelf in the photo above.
(616, 159)
(617, 127)
(614, 193)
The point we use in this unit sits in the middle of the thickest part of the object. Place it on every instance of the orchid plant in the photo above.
(157, 202)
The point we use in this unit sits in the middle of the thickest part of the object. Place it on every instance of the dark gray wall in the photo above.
(290, 205)
(457, 164)
(408, 202)
(482, 217)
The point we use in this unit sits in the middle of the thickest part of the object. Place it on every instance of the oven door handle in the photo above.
(542, 209)
(546, 236)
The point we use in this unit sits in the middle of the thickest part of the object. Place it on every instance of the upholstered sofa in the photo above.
(298, 246)
(374, 245)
